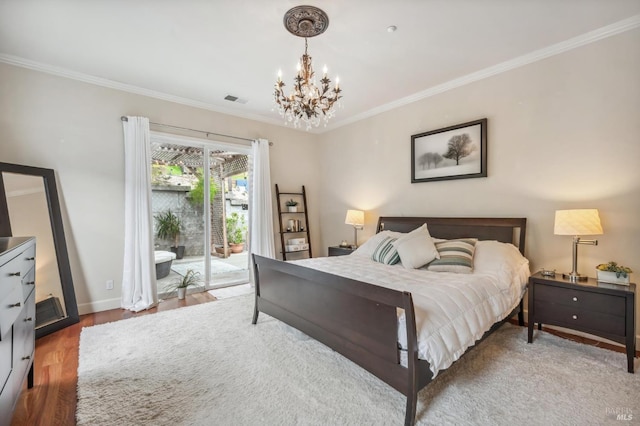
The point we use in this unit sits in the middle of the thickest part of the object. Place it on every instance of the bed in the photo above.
(359, 319)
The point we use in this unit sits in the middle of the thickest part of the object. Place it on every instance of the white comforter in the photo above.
(452, 310)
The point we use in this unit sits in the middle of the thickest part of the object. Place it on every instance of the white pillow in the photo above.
(368, 247)
(416, 248)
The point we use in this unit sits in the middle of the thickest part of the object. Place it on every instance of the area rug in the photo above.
(206, 365)
(217, 267)
(232, 291)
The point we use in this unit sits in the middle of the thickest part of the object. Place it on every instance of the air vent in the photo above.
(232, 98)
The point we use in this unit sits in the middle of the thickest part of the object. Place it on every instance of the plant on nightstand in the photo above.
(292, 205)
(613, 273)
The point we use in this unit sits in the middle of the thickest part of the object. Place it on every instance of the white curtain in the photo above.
(139, 287)
(261, 212)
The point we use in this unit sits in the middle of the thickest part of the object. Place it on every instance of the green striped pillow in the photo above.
(455, 256)
(386, 252)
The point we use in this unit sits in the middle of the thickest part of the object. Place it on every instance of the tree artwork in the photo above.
(459, 146)
(430, 158)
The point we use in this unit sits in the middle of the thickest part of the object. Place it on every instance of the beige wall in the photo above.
(562, 133)
(75, 129)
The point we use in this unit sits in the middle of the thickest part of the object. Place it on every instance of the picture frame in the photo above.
(454, 152)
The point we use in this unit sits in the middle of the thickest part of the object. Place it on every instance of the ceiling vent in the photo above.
(232, 98)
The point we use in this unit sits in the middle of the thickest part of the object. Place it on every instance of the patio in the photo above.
(224, 273)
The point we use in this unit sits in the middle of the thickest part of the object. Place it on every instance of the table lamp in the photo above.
(355, 218)
(577, 222)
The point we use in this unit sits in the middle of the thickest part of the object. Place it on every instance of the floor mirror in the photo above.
(29, 206)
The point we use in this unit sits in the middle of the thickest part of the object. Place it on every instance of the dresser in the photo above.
(17, 319)
(603, 309)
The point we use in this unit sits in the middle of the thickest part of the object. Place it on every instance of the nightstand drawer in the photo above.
(580, 299)
(579, 319)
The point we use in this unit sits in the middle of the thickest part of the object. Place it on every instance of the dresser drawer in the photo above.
(10, 276)
(27, 259)
(10, 308)
(580, 299)
(24, 341)
(5, 361)
(579, 319)
(28, 283)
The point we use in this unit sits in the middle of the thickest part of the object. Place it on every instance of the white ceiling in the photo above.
(198, 51)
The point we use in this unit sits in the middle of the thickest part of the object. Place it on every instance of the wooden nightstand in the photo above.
(340, 251)
(603, 309)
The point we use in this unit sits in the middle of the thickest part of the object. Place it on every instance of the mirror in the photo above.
(29, 206)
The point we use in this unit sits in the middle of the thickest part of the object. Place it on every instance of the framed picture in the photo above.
(455, 152)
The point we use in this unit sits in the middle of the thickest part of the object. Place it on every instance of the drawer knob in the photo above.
(575, 299)
(575, 317)
(14, 274)
(16, 305)
(31, 283)
(28, 319)
(24, 358)
(31, 258)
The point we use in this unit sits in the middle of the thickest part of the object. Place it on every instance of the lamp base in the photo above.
(574, 277)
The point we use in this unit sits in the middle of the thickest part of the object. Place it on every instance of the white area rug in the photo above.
(207, 365)
(217, 267)
(232, 291)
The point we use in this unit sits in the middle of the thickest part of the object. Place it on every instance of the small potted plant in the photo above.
(168, 227)
(613, 273)
(189, 279)
(236, 232)
(292, 205)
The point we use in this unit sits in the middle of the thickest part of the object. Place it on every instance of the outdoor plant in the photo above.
(291, 203)
(168, 226)
(236, 228)
(196, 195)
(621, 271)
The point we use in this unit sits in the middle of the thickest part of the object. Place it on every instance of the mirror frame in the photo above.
(59, 240)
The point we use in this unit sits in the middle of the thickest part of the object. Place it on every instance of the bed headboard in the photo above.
(507, 230)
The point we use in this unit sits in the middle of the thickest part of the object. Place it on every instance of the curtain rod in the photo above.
(123, 118)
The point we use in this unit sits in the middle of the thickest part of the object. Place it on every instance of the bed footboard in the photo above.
(356, 319)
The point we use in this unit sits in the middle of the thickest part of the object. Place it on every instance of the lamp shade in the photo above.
(355, 218)
(577, 222)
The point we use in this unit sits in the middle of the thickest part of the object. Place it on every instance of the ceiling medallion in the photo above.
(307, 103)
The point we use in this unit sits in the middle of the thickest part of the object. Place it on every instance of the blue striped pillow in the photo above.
(455, 256)
(386, 252)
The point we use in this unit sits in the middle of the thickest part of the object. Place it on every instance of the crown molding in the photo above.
(129, 88)
(537, 55)
(619, 27)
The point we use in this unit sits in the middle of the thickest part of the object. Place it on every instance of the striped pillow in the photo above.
(386, 252)
(455, 256)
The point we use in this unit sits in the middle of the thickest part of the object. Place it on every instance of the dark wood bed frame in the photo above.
(358, 319)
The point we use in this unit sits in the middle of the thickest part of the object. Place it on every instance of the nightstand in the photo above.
(603, 309)
(340, 251)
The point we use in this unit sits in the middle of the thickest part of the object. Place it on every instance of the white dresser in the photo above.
(17, 319)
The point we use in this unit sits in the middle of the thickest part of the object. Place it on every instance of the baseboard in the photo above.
(581, 334)
(98, 306)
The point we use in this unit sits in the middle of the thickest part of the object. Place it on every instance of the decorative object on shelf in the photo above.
(300, 245)
(613, 273)
(190, 278)
(455, 152)
(307, 103)
(292, 205)
(169, 227)
(577, 222)
(355, 218)
(344, 243)
(548, 273)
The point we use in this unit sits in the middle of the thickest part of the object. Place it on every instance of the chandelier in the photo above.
(308, 102)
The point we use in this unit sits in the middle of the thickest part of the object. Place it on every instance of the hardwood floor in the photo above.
(52, 400)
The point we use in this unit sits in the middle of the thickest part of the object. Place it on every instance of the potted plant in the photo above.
(168, 227)
(236, 232)
(189, 279)
(613, 273)
(292, 205)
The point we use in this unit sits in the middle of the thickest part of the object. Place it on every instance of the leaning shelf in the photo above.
(287, 215)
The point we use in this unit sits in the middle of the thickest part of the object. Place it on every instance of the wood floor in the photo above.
(52, 400)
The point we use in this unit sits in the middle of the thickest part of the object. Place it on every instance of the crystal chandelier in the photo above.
(307, 103)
